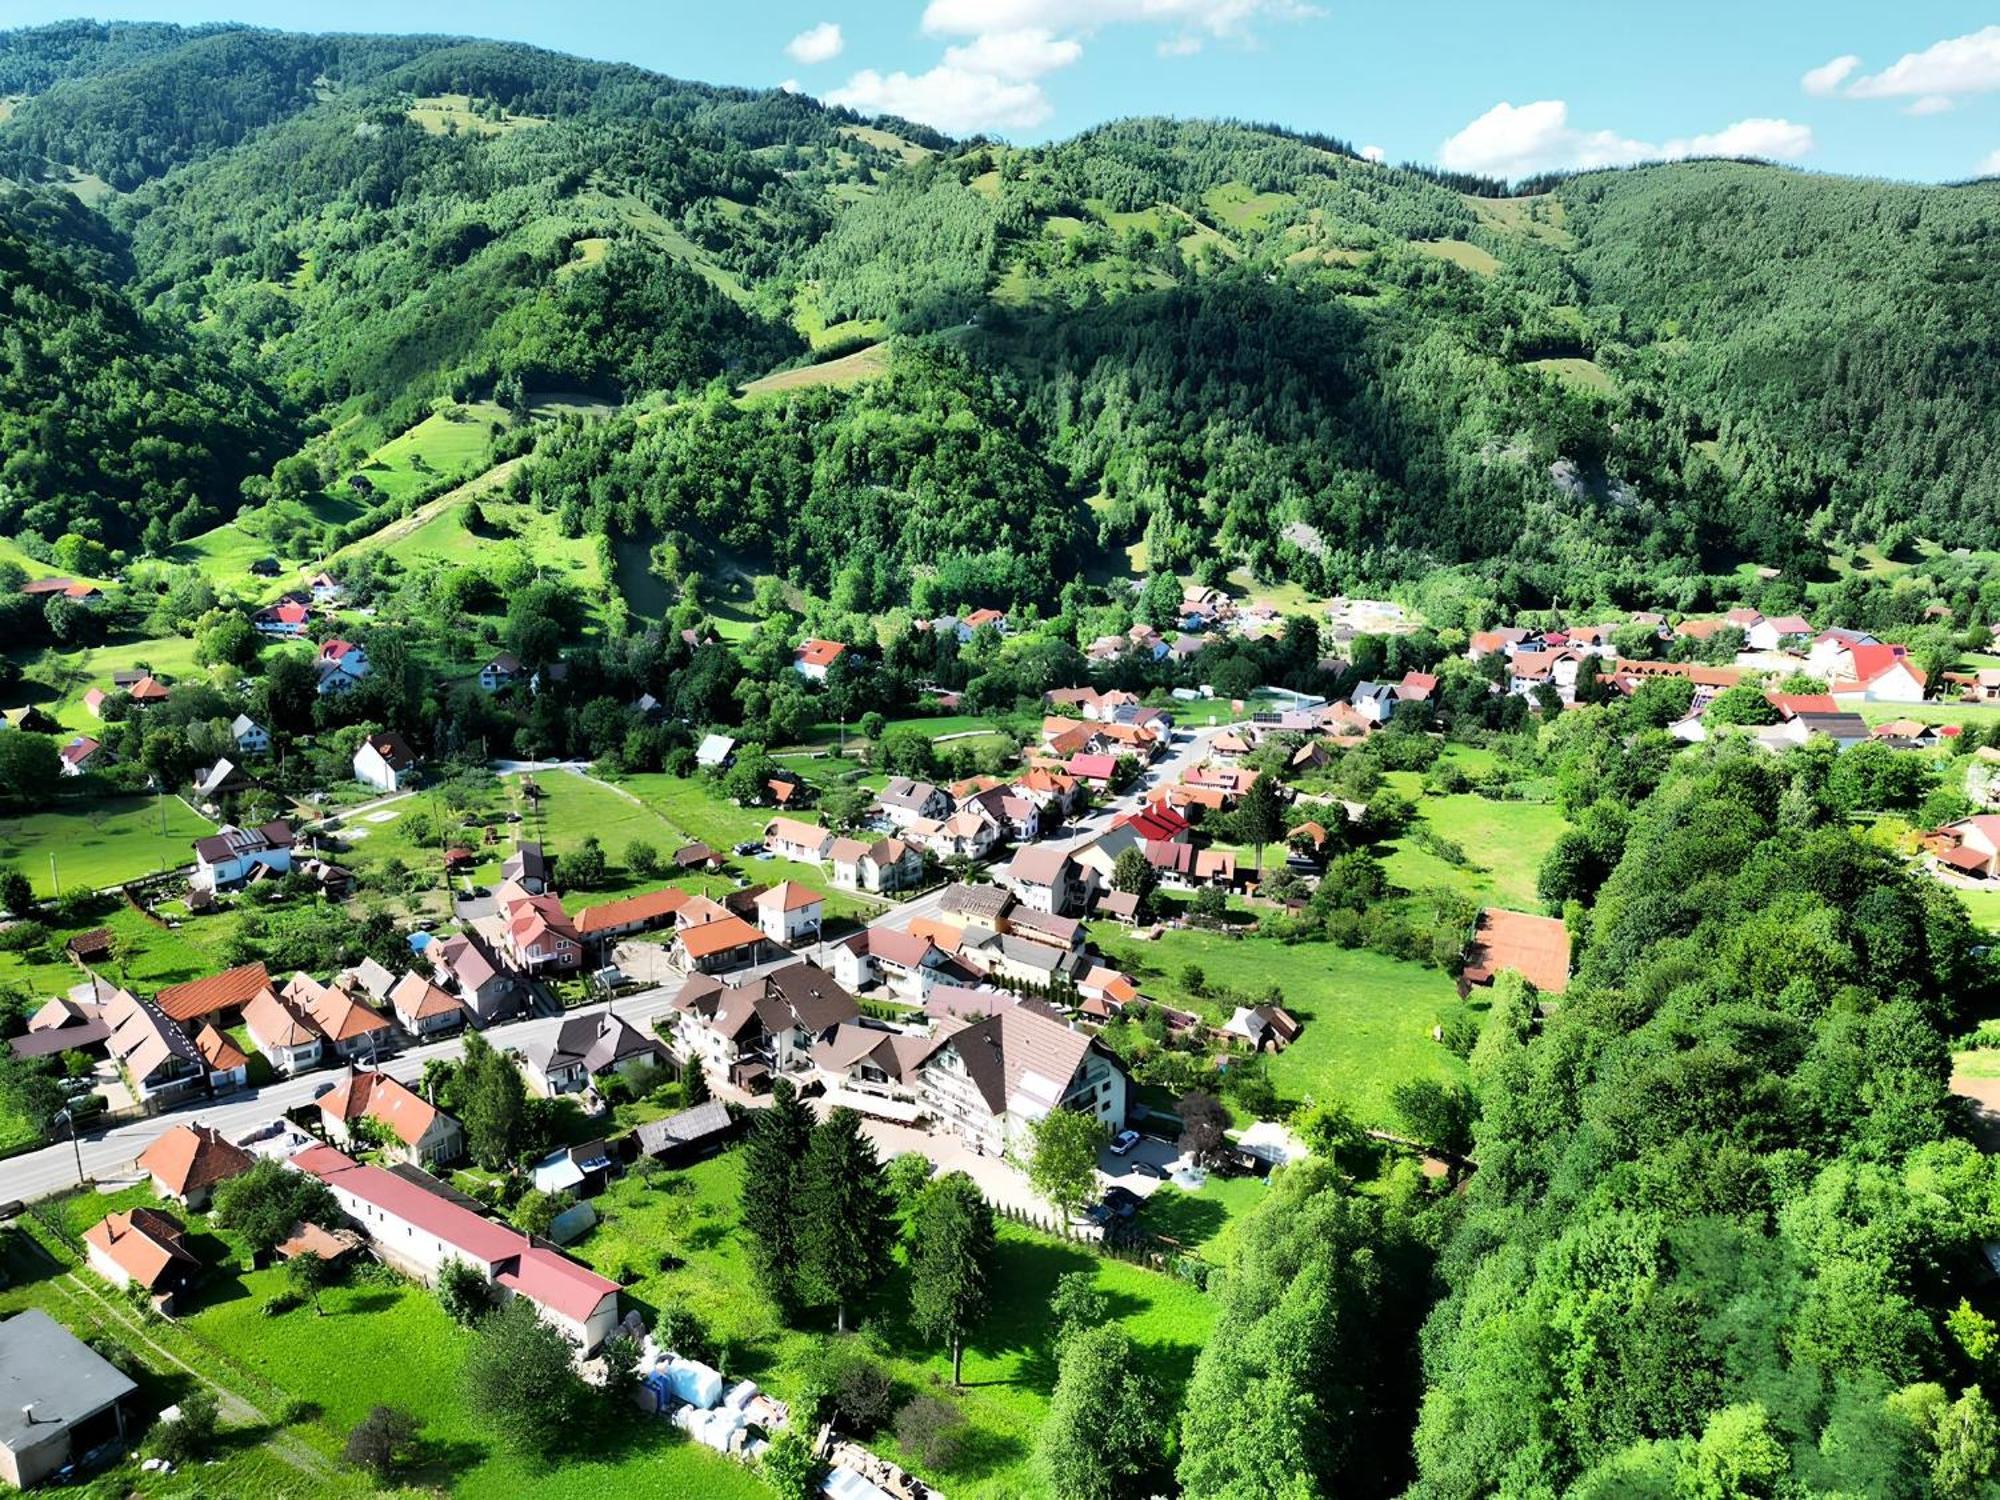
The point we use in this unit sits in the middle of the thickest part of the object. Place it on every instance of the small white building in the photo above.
(385, 761)
(788, 912)
(251, 737)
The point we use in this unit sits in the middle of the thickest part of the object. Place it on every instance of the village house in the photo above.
(788, 838)
(385, 761)
(145, 1248)
(717, 945)
(1048, 879)
(788, 912)
(282, 1031)
(501, 673)
(227, 1064)
(150, 1049)
(904, 962)
(990, 1081)
(417, 1231)
(872, 1068)
(188, 1161)
(285, 619)
(223, 779)
(418, 1132)
(1877, 674)
(589, 1046)
(760, 1028)
(251, 737)
(1970, 847)
(904, 802)
(881, 868)
(422, 1008)
(79, 755)
(611, 920)
(341, 665)
(680, 1140)
(216, 994)
(326, 589)
(814, 657)
(349, 1028)
(967, 834)
(231, 855)
(534, 935)
(1784, 632)
(464, 962)
(527, 867)
(60, 1400)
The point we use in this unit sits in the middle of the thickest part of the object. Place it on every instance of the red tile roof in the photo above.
(1535, 947)
(218, 992)
(818, 653)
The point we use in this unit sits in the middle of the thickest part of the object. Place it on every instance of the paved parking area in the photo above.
(1123, 1171)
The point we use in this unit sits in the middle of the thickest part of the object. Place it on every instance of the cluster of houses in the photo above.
(1204, 616)
(1856, 667)
(981, 1062)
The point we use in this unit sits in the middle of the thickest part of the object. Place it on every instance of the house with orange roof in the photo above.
(815, 657)
(214, 995)
(1877, 673)
(423, 1008)
(350, 1028)
(726, 943)
(1535, 947)
(228, 1066)
(285, 619)
(1969, 847)
(421, 1134)
(145, 1248)
(612, 920)
(789, 838)
(188, 1161)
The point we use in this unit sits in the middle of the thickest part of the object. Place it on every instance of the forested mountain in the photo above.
(1236, 343)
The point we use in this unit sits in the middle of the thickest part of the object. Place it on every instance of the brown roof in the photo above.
(204, 997)
(277, 1023)
(189, 1158)
(327, 1244)
(415, 998)
(342, 1017)
(218, 1051)
(144, 1243)
(1537, 948)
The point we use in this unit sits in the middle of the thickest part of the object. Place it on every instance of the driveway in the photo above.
(1119, 1171)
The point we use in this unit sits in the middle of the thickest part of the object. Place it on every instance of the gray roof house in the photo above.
(588, 1046)
(59, 1399)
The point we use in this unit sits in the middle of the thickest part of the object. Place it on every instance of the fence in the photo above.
(1152, 1253)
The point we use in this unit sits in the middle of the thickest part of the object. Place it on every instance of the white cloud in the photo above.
(953, 100)
(987, 78)
(1929, 104)
(1217, 17)
(1518, 140)
(1828, 77)
(1014, 54)
(1779, 140)
(789, 86)
(1967, 64)
(1373, 153)
(1989, 164)
(816, 44)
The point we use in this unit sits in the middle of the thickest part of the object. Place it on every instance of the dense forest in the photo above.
(1238, 344)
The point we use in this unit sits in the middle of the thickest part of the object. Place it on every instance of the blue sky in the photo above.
(1907, 90)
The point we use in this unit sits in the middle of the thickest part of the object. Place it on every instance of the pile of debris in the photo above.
(858, 1474)
(690, 1394)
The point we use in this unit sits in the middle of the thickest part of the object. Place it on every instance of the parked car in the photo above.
(1147, 1169)
(1122, 1201)
(1124, 1141)
(749, 846)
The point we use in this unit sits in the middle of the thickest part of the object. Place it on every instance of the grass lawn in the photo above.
(1203, 1221)
(1504, 843)
(1983, 907)
(102, 843)
(149, 957)
(452, 442)
(1367, 1018)
(1930, 713)
(1009, 1364)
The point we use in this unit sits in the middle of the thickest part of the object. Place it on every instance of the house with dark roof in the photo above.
(417, 1231)
(527, 867)
(991, 1080)
(586, 1047)
(1048, 879)
(231, 855)
(682, 1139)
(752, 1031)
(385, 761)
(872, 1068)
(61, 1402)
(151, 1049)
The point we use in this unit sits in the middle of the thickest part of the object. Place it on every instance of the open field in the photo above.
(1584, 374)
(441, 114)
(1009, 1365)
(1504, 843)
(1235, 205)
(871, 363)
(1367, 1018)
(149, 956)
(454, 441)
(110, 841)
(1461, 253)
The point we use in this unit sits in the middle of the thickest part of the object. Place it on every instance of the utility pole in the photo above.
(70, 1120)
(54, 879)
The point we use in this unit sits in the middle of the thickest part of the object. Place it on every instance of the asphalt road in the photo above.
(110, 1154)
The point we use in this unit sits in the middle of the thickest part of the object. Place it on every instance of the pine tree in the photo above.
(846, 1224)
(773, 1153)
(694, 1084)
(951, 1263)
